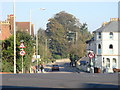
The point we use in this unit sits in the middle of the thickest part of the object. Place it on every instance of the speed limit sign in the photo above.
(91, 55)
(22, 53)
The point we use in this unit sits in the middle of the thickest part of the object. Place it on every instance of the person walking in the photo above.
(42, 68)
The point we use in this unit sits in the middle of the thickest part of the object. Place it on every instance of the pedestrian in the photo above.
(36, 69)
(42, 68)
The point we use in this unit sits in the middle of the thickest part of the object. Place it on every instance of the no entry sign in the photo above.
(22, 53)
(91, 55)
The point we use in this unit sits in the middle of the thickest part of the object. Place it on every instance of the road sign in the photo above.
(22, 53)
(21, 45)
(91, 55)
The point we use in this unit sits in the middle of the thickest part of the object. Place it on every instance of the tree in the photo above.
(43, 46)
(85, 33)
(8, 53)
(63, 42)
(56, 33)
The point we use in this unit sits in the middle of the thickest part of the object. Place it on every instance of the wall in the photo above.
(106, 41)
(5, 30)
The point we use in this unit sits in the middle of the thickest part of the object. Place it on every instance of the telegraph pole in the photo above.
(46, 47)
(37, 49)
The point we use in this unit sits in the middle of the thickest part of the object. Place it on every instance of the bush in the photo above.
(56, 56)
(7, 66)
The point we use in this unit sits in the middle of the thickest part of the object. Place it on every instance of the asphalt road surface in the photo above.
(67, 77)
(60, 80)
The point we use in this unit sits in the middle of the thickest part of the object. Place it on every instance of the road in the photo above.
(64, 67)
(66, 78)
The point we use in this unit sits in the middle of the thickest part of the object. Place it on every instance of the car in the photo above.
(55, 67)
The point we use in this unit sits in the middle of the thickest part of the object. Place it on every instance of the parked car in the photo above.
(116, 70)
(55, 67)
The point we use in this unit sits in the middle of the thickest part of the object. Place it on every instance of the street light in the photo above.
(36, 37)
(31, 18)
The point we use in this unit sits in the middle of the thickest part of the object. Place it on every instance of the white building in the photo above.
(105, 44)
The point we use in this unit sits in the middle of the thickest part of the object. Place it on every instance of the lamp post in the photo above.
(31, 19)
(14, 38)
(37, 49)
(36, 36)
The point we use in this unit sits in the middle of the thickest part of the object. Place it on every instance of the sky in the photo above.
(93, 13)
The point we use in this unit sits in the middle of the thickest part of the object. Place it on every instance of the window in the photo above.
(99, 49)
(111, 35)
(99, 46)
(103, 61)
(114, 63)
(99, 35)
(110, 49)
(107, 62)
(110, 46)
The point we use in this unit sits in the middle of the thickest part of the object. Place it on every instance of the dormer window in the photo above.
(111, 35)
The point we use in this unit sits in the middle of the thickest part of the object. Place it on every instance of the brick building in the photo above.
(7, 27)
(25, 26)
(4, 30)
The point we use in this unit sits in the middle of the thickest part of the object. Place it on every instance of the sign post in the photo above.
(22, 53)
(91, 55)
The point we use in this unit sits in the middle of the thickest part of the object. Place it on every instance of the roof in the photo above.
(25, 26)
(88, 41)
(110, 27)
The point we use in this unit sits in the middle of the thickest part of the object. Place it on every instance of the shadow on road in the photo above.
(94, 85)
(29, 88)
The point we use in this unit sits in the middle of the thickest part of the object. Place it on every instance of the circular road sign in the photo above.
(22, 53)
(91, 55)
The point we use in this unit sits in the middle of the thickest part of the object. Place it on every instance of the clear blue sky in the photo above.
(93, 13)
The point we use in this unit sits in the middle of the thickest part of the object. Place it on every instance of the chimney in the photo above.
(114, 19)
(104, 23)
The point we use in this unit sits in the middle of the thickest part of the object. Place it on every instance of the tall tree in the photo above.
(56, 33)
(67, 35)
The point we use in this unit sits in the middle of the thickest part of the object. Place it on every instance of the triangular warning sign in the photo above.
(21, 45)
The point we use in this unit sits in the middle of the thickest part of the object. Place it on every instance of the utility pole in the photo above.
(14, 38)
(37, 49)
(76, 41)
(46, 47)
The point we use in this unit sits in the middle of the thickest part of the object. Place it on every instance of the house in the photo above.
(7, 27)
(25, 26)
(4, 30)
(105, 45)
